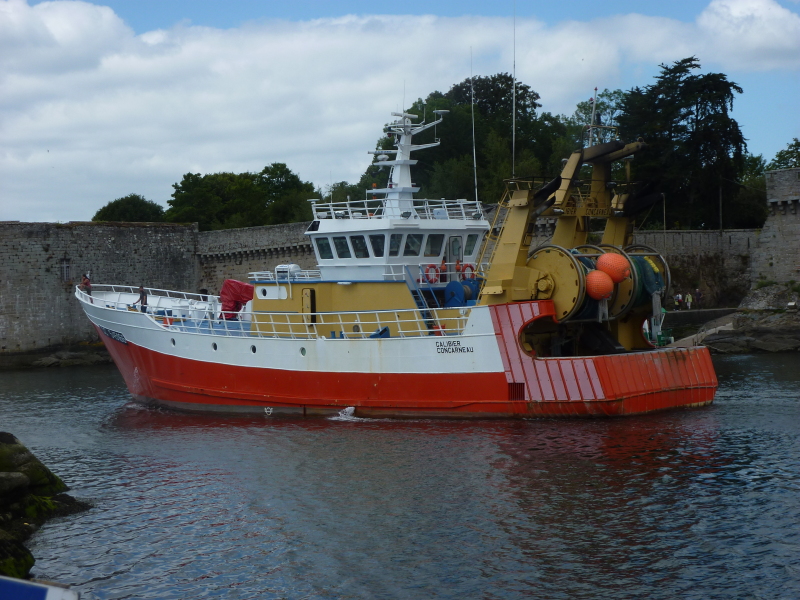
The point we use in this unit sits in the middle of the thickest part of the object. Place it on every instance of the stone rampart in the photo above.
(40, 264)
(718, 263)
(777, 257)
(233, 253)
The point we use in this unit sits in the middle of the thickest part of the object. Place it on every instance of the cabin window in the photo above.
(433, 247)
(324, 248)
(413, 244)
(377, 242)
(359, 245)
(342, 249)
(394, 244)
(472, 239)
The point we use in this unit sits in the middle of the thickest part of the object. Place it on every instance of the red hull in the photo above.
(567, 387)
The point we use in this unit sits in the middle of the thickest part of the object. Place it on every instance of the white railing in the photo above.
(422, 209)
(434, 273)
(189, 313)
(304, 275)
(120, 296)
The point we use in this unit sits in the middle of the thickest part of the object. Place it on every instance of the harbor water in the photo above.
(701, 503)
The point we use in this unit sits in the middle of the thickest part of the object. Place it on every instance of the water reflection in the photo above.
(693, 504)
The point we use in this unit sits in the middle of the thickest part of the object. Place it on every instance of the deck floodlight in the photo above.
(406, 214)
(441, 112)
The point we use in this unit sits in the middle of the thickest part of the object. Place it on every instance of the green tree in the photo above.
(131, 208)
(447, 170)
(696, 149)
(749, 206)
(788, 158)
(608, 108)
(228, 200)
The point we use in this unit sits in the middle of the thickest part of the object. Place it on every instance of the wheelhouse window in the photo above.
(378, 242)
(394, 244)
(472, 239)
(413, 244)
(359, 245)
(324, 248)
(433, 245)
(342, 249)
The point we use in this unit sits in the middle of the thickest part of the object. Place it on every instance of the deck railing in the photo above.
(286, 276)
(191, 313)
(435, 272)
(422, 209)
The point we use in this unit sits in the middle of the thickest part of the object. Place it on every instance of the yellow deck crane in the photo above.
(557, 271)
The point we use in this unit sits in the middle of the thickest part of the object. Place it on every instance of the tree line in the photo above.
(696, 155)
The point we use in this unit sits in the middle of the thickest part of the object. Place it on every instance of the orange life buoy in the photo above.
(468, 274)
(458, 266)
(432, 274)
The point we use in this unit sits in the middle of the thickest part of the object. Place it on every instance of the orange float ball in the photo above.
(599, 285)
(616, 265)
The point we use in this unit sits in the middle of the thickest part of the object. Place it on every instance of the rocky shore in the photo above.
(766, 321)
(30, 494)
(78, 355)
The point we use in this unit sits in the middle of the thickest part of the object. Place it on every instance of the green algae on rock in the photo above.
(29, 495)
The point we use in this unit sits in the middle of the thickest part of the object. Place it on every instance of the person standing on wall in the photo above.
(142, 301)
(678, 301)
(698, 298)
(688, 300)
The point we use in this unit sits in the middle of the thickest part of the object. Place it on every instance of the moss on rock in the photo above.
(16, 458)
(29, 495)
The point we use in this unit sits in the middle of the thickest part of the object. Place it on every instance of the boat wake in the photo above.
(348, 414)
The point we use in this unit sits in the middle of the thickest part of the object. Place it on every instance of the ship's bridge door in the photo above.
(454, 254)
(455, 250)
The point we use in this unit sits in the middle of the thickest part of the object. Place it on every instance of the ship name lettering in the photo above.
(114, 335)
(451, 347)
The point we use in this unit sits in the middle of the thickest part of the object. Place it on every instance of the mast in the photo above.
(591, 123)
(399, 196)
(514, 101)
(472, 109)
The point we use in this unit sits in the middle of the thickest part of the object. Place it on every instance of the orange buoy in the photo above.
(599, 285)
(615, 265)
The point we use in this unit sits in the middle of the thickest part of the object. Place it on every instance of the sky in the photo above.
(99, 100)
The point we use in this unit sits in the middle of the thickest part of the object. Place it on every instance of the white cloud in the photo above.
(89, 111)
(752, 34)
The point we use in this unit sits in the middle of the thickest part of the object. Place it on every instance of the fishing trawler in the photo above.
(423, 308)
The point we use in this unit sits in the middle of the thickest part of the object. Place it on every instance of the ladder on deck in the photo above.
(420, 300)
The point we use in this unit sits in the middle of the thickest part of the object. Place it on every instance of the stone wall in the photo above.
(40, 264)
(777, 257)
(718, 263)
(233, 253)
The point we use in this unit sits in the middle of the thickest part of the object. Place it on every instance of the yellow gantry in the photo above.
(511, 277)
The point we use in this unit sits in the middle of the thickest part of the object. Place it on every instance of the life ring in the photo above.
(432, 274)
(465, 274)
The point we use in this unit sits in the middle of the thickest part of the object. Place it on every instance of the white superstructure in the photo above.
(390, 235)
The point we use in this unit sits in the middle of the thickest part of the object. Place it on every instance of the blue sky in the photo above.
(146, 15)
(99, 100)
